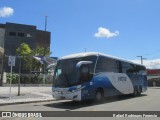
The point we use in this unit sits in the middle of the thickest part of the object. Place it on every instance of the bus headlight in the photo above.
(66, 92)
(62, 92)
(74, 90)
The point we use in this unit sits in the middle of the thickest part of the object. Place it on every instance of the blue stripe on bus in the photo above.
(99, 81)
(139, 80)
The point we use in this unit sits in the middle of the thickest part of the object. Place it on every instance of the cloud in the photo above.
(105, 33)
(6, 11)
(150, 64)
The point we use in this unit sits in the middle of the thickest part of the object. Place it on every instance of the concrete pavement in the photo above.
(27, 94)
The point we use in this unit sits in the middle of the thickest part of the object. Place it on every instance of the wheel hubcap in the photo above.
(99, 96)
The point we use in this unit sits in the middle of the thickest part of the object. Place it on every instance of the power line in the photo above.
(154, 57)
(152, 53)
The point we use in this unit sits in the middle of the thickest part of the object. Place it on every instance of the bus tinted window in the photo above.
(66, 73)
(131, 68)
(141, 70)
(128, 68)
(106, 65)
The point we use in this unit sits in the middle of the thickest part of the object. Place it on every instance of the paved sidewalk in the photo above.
(27, 94)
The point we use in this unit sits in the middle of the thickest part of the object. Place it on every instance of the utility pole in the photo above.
(142, 59)
(19, 80)
(85, 49)
(46, 22)
(44, 77)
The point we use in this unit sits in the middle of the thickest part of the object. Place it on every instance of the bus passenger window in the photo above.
(107, 65)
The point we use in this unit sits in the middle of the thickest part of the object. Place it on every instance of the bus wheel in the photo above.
(135, 91)
(139, 91)
(99, 96)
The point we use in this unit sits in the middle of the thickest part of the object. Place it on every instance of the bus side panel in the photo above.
(145, 83)
(139, 81)
(104, 82)
(99, 81)
(87, 91)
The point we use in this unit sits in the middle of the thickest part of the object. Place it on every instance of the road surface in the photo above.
(148, 101)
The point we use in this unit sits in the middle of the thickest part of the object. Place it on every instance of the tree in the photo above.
(24, 51)
(27, 56)
(39, 51)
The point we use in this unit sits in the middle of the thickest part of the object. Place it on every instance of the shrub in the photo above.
(14, 78)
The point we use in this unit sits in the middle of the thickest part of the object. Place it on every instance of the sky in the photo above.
(121, 28)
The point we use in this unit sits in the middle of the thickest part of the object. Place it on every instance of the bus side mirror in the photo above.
(83, 68)
(80, 63)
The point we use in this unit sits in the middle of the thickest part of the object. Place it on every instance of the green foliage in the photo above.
(31, 64)
(23, 50)
(26, 80)
(34, 80)
(14, 78)
(27, 56)
(39, 51)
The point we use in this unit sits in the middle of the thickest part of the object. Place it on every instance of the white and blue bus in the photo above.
(93, 75)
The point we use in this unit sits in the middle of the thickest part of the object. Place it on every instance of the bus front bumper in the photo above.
(67, 95)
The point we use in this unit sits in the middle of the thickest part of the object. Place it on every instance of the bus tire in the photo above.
(139, 91)
(99, 96)
(135, 92)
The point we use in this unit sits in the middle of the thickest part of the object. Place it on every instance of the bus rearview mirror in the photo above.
(80, 63)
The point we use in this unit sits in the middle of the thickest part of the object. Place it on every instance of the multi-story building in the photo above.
(12, 35)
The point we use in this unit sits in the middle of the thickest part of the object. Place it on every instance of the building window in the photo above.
(21, 34)
(29, 35)
(12, 33)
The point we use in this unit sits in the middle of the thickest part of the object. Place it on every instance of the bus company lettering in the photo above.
(122, 79)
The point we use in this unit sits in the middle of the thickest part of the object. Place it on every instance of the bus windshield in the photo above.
(66, 74)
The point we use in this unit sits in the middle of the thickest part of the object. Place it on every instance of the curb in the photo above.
(24, 102)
